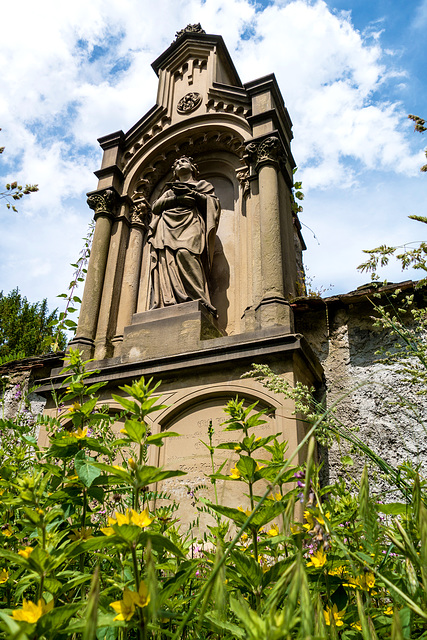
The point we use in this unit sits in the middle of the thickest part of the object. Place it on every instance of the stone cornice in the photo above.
(113, 170)
(112, 140)
(243, 349)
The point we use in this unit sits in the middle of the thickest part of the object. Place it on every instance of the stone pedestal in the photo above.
(175, 329)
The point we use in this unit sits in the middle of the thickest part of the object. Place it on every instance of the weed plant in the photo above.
(85, 554)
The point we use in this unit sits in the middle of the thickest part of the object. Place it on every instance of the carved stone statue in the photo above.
(182, 236)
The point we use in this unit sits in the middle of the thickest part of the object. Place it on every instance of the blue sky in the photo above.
(350, 72)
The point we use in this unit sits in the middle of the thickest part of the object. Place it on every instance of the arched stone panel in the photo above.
(191, 419)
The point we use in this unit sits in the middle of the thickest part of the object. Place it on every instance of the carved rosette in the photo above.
(267, 151)
(103, 203)
(189, 103)
(190, 28)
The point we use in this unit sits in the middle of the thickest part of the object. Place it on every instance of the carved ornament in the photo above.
(243, 178)
(270, 150)
(103, 203)
(140, 211)
(190, 28)
(189, 102)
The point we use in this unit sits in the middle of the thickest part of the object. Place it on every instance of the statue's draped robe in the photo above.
(182, 243)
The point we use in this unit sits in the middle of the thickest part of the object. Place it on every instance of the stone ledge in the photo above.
(260, 346)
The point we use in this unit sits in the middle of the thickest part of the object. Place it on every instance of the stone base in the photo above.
(85, 345)
(270, 312)
(170, 330)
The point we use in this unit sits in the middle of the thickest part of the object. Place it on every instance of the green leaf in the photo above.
(249, 570)
(220, 625)
(247, 467)
(56, 620)
(157, 438)
(85, 470)
(149, 475)
(135, 430)
(160, 543)
(129, 405)
(89, 406)
(14, 629)
(392, 508)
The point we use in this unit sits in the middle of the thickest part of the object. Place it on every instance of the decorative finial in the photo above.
(190, 28)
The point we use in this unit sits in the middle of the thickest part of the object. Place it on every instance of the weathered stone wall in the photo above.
(19, 400)
(386, 411)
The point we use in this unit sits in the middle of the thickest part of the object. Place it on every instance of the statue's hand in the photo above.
(187, 200)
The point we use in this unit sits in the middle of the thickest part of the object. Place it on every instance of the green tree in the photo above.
(26, 329)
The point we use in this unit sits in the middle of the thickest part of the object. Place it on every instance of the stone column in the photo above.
(131, 274)
(273, 308)
(103, 205)
(108, 308)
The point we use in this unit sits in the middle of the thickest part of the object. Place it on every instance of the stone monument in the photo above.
(197, 253)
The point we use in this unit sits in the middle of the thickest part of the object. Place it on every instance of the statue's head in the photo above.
(188, 163)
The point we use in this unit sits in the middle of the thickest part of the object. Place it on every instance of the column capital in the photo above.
(103, 202)
(139, 212)
(268, 150)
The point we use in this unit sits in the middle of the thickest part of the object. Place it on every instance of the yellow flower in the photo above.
(318, 559)
(364, 582)
(109, 531)
(334, 614)
(76, 406)
(81, 433)
(338, 571)
(142, 597)
(244, 537)
(259, 467)
(310, 520)
(141, 519)
(295, 529)
(247, 512)
(235, 474)
(117, 466)
(262, 561)
(389, 611)
(356, 625)
(7, 531)
(126, 608)
(26, 552)
(320, 519)
(274, 531)
(31, 612)
(132, 463)
(123, 518)
(369, 580)
(277, 497)
(4, 576)
(237, 448)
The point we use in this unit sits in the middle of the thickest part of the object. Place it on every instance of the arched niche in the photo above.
(219, 168)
